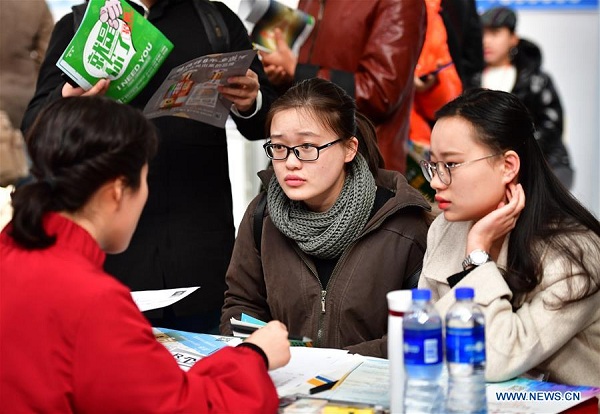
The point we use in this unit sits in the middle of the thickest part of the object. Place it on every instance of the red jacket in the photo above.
(370, 48)
(72, 340)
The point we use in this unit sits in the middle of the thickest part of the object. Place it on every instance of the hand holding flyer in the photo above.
(191, 90)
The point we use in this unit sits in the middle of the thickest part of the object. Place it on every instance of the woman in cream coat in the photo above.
(510, 230)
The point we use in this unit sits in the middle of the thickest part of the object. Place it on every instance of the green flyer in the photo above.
(114, 42)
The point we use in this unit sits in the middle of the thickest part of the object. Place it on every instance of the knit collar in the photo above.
(72, 237)
(405, 194)
(326, 234)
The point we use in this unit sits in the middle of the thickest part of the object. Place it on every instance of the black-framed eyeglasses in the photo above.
(442, 169)
(304, 152)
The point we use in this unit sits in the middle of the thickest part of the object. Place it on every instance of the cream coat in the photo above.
(563, 342)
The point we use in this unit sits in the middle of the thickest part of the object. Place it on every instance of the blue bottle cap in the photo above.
(421, 294)
(464, 293)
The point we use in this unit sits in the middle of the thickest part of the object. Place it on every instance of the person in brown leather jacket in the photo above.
(339, 232)
(369, 48)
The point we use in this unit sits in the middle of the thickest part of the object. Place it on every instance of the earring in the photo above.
(513, 52)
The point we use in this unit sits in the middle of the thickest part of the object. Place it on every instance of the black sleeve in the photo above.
(50, 82)
(457, 277)
(547, 112)
(254, 127)
(341, 78)
(472, 57)
(256, 349)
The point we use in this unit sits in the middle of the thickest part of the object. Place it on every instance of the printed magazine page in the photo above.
(267, 15)
(115, 42)
(189, 347)
(190, 90)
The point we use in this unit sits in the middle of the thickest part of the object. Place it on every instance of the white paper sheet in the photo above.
(307, 363)
(154, 299)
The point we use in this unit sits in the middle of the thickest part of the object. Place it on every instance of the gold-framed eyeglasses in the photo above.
(304, 152)
(442, 169)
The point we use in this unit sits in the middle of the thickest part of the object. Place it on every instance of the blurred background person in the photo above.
(370, 49)
(514, 65)
(463, 28)
(436, 83)
(25, 28)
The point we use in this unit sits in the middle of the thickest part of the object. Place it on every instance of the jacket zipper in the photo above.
(338, 264)
(323, 294)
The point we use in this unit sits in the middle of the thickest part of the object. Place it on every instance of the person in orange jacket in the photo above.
(436, 78)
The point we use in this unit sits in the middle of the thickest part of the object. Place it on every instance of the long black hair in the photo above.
(551, 214)
(76, 145)
(336, 110)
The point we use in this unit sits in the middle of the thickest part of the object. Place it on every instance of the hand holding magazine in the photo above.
(114, 42)
(268, 15)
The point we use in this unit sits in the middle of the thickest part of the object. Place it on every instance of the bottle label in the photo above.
(423, 347)
(465, 345)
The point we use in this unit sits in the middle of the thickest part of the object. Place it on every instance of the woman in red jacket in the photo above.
(72, 338)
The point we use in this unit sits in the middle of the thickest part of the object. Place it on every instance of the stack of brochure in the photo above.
(244, 327)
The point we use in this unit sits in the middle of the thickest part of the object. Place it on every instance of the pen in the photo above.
(322, 387)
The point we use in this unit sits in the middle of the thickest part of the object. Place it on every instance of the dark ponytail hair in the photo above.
(336, 110)
(76, 145)
(551, 213)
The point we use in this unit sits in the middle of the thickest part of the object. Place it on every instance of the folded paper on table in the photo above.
(153, 299)
(128, 54)
(268, 15)
(191, 89)
(311, 367)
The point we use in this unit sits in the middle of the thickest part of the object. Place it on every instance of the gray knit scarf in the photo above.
(327, 234)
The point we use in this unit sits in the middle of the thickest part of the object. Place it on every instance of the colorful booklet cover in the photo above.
(189, 347)
(190, 90)
(115, 42)
(268, 15)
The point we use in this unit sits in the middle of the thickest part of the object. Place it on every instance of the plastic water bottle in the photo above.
(423, 355)
(465, 354)
(399, 302)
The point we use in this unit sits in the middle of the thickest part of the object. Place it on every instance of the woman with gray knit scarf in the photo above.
(338, 233)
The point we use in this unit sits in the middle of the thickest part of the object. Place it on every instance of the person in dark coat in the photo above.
(186, 232)
(464, 37)
(514, 65)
